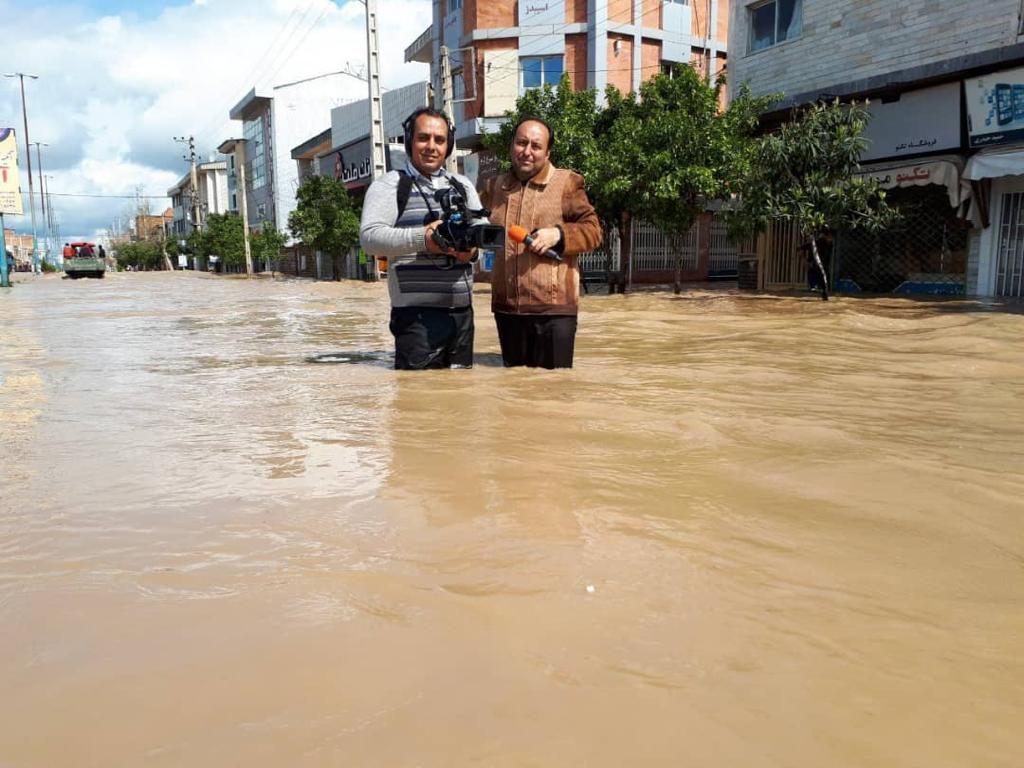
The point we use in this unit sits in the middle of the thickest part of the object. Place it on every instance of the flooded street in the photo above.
(743, 531)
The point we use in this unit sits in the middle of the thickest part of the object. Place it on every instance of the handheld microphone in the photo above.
(520, 235)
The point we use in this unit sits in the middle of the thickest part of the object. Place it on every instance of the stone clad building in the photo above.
(945, 81)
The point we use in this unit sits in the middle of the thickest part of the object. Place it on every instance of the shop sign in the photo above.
(352, 163)
(926, 120)
(533, 12)
(941, 172)
(995, 108)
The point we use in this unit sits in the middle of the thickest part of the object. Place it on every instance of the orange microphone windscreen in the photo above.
(517, 233)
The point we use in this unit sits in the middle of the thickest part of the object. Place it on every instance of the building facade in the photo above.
(273, 123)
(945, 85)
(153, 227)
(499, 49)
(211, 196)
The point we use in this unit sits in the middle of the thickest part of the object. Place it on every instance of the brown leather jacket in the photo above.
(523, 282)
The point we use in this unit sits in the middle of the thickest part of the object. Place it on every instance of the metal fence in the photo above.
(607, 258)
(723, 254)
(924, 252)
(652, 251)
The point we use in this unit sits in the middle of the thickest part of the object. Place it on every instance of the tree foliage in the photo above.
(688, 150)
(807, 172)
(265, 245)
(661, 155)
(144, 254)
(222, 236)
(325, 218)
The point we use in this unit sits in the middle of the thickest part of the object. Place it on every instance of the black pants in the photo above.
(426, 337)
(537, 341)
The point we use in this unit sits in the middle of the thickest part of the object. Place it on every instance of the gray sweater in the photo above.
(415, 278)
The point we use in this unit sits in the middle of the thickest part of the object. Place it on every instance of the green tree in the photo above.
(687, 150)
(139, 255)
(806, 172)
(222, 236)
(266, 245)
(325, 218)
(661, 157)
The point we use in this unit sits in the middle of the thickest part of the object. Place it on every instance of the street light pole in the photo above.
(42, 193)
(28, 156)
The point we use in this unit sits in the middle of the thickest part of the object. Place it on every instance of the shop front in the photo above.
(914, 153)
(995, 113)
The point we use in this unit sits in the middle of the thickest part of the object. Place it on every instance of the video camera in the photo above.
(456, 231)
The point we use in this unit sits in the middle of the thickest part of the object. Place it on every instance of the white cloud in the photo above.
(115, 90)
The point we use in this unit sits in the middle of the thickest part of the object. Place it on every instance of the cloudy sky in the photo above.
(119, 79)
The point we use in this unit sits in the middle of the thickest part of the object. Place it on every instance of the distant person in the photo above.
(85, 251)
(431, 289)
(535, 297)
(103, 253)
(69, 252)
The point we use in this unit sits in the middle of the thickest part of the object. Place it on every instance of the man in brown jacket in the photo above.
(535, 297)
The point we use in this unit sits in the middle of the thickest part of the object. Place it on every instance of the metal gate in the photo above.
(652, 251)
(723, 255)
(1010, 267)
(923, 252)
(784, 265)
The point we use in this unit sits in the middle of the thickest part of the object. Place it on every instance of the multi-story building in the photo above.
(211, 196)
(153, 227)
(274, 122)
(499, 49)
(20, 247)
(945, 84)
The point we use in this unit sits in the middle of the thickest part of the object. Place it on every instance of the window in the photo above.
(253, 131)
(540, 70)
(774, 22)
(454, 5)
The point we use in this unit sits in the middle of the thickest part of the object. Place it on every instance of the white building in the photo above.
(273, 122)
(212, 179)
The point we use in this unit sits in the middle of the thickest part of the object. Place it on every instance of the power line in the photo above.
(115, 197)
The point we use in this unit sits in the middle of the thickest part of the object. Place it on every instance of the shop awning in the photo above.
(992, 165)
(944, 172)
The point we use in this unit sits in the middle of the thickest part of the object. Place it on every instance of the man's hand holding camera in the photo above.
(434, 247)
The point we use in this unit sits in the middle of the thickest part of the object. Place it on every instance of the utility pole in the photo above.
(5, 280)
(51, 222)
(28, 156)
(373, 85)
(42, 194)
(193, 177)
(376, 111)
(448, 100)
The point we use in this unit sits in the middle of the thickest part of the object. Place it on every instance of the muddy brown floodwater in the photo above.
(743, 531)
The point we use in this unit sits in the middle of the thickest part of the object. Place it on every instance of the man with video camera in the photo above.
(428, 223)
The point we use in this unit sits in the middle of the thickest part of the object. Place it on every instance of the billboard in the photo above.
(10, 186)
(925, 120)
(352, 163)
(995, 108)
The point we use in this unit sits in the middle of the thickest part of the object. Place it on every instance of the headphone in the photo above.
(410, 125)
